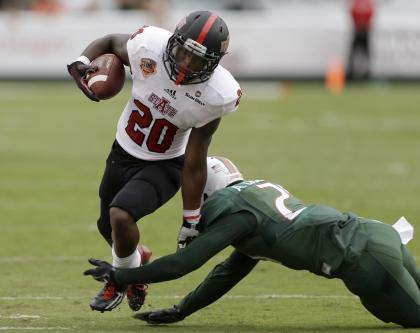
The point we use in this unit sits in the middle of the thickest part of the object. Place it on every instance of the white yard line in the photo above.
(37, 298)
(26, 259)
(261, 296)
(63, 258)
(28, 328)
(268, 296)
(21, 316)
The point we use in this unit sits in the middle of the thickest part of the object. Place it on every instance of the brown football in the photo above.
(109, 79)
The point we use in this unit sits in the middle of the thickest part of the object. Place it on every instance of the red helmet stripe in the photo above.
(206, 28)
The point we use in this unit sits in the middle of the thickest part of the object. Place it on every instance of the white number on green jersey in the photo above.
(280, 205)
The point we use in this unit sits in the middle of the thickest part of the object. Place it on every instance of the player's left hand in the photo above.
(162, 316)
(103, 272)
(187, 233)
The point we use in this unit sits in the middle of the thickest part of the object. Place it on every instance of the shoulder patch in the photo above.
(148, 67)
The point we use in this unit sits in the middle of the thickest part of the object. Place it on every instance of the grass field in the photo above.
(357, 152)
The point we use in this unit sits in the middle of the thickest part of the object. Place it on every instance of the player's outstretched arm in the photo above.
(222, 233)
(220, 280)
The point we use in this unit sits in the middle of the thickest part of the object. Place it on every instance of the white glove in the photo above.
(186, 234)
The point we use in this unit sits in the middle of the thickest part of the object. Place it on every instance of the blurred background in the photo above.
(330, 110)
(283, 39)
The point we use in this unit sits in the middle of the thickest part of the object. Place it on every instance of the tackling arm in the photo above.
(221, 234)
(219, 281)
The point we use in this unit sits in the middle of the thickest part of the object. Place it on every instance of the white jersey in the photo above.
(158, 118)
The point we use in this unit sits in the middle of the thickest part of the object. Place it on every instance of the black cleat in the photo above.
(136, 293)
(108, 298)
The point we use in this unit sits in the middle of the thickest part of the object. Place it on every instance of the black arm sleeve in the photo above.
(223, 232)
(219, 281)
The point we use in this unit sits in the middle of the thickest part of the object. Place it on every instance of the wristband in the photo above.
(83, 59)
(192, 216)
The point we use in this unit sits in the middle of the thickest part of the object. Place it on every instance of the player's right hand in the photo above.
(162, 316)
(78, 70)
(103, 272)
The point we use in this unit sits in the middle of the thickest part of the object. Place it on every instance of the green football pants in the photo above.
(386, 277)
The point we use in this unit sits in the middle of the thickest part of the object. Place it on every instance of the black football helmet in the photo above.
(194, 50)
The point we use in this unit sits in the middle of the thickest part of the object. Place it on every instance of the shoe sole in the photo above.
(137, 307)
(117, 301)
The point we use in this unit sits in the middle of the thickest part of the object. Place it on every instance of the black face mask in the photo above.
(195, 67)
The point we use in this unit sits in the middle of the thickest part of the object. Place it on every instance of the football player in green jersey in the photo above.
(262, 220)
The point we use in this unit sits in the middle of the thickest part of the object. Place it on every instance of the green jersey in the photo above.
(261, 220)
(317, 238)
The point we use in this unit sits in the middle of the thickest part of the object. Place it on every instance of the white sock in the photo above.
(132, 261)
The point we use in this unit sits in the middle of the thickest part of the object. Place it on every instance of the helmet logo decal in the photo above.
(147, 66)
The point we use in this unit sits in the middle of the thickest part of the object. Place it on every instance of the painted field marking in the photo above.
(27, 259)
(64, 258)
(21, 316)
(265, 296)
(28, 328)
(61, 258)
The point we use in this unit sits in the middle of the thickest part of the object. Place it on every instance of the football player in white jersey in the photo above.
(179, 94)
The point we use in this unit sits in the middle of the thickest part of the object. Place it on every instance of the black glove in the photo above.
(186, 234)
(162, 316)
(103, 272)
(78, 70)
